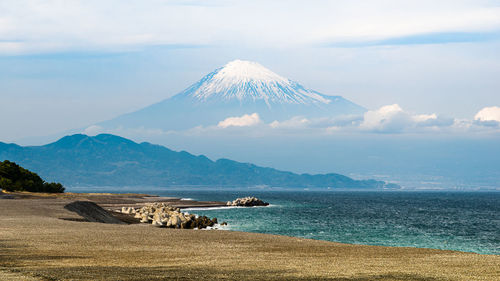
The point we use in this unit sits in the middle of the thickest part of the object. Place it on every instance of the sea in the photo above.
(462, 221)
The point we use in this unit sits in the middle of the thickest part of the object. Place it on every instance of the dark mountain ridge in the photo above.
(109, 160)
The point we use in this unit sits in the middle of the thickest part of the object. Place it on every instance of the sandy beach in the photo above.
(40, 240)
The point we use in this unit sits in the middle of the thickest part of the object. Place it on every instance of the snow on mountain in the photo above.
(243, 80)
(239, 88)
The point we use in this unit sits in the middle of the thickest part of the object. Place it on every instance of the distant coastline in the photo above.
(116, 161)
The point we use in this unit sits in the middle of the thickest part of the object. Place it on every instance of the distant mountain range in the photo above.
(109, 160)
(238, 88)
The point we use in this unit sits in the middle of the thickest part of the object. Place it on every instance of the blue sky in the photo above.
(70, 64)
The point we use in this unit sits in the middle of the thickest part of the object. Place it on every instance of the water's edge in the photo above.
(459, 221)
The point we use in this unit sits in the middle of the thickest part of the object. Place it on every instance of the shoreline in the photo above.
(40, 239)
(111, 203)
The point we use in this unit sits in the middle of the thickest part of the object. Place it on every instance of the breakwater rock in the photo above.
(163, 215)
(247, 202)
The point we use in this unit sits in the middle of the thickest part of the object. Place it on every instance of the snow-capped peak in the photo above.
(247, 81)
(240, 71)
(239, 94)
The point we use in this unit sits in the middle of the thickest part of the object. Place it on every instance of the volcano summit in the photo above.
(238, 88)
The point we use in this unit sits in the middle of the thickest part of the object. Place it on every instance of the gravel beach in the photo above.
(41, 240)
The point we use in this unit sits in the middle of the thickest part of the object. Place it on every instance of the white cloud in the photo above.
(488, 114)
(424, 117)
(293, 123)
(53, 25)
(432, 120)
(387, 118)
(243, 121)
(340, 123)
(392, 119)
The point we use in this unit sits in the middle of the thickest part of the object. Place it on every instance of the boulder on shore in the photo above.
(163, 215)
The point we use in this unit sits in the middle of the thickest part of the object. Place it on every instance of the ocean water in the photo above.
(463, 221)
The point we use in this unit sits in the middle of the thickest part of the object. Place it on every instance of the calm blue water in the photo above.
(464, 221)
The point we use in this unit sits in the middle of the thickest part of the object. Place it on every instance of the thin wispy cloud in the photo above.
(48, 26)
(423, 39)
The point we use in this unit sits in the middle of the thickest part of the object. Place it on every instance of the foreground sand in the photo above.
(40, 240)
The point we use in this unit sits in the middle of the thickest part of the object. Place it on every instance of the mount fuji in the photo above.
(238, 88)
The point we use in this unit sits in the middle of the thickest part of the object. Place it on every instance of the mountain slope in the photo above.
(108, 160)
(250, 82)
(238, 88)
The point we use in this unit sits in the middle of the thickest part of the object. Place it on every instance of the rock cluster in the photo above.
(163, 215)
(247, 202)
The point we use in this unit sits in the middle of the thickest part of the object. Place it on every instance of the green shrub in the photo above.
(15, 178)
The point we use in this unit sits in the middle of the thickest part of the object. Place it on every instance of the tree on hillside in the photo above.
(15, 178)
